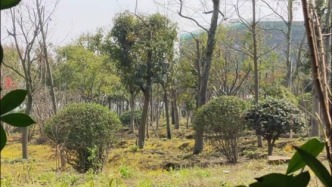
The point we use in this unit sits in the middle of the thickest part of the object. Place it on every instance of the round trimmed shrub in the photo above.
(86, 132)
(223, 122)
(272, 118)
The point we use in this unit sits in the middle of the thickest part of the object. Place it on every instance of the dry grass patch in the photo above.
(129, 166)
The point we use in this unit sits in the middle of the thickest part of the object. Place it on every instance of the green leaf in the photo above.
(3, 138)
(17, 119)
(312, 146)
(8, 3)
(277, 180)
(302, 179)
(12, 100)
(316, 166)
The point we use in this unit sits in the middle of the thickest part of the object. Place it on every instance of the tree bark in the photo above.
(25, 130)
(168, 128)
(175, 109)
(269, 147)
(203, 82)
(317, 55)
(187, 119)
(132, 110)
(157, 110)
(141, 128)
(314, 129)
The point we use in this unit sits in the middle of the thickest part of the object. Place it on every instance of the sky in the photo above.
(75, 17)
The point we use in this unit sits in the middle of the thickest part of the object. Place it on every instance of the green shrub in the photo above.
(273, 118)
(86, 132)
(223, 119)
(125, 117)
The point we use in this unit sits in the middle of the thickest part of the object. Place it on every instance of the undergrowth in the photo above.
(129, 166)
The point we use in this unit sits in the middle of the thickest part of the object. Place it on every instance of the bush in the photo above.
(223, 119)
(125, 117)
(273, 118)
(86, 132)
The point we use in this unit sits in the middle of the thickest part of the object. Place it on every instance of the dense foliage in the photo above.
(272, 118)
(86, 132)
(223, 120)
(279, 92)
(125, 117)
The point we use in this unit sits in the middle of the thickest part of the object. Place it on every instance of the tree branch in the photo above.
(189, 18)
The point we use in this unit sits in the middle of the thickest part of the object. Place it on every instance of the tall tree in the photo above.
(24, 32)
(145, 45)
(319, 70)
(256, 53)
(205, 64)
(43, 21)
(122, 50)
(288, 21)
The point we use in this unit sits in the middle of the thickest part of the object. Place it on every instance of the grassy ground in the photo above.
(129, 166)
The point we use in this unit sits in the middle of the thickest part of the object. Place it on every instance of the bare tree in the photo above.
(288, 21)
(255, 54)
(25, 39)
(231, 73)
(205, 64)
(43, 22)
(25, 32)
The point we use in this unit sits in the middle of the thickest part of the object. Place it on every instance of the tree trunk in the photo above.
(172, 113)
(314, 129)
(24, 140)
(318, 63)
(198, 147)
(25, 130)
(146, 92)
(63, 159)
(269, 147)
(169, 136)
(328, 39)
(198, 141)
(141, 128)
(255, 59)
(187, 116)
(289, 45)
(132, 110)
(157, 110)
(288, 52)
(45, 52)
(151, 115)
(259, 141)
(175, 109)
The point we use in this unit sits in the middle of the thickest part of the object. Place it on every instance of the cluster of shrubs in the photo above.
(87, 131)
(225, 118)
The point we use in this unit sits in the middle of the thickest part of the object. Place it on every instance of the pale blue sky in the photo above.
(74, 17)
